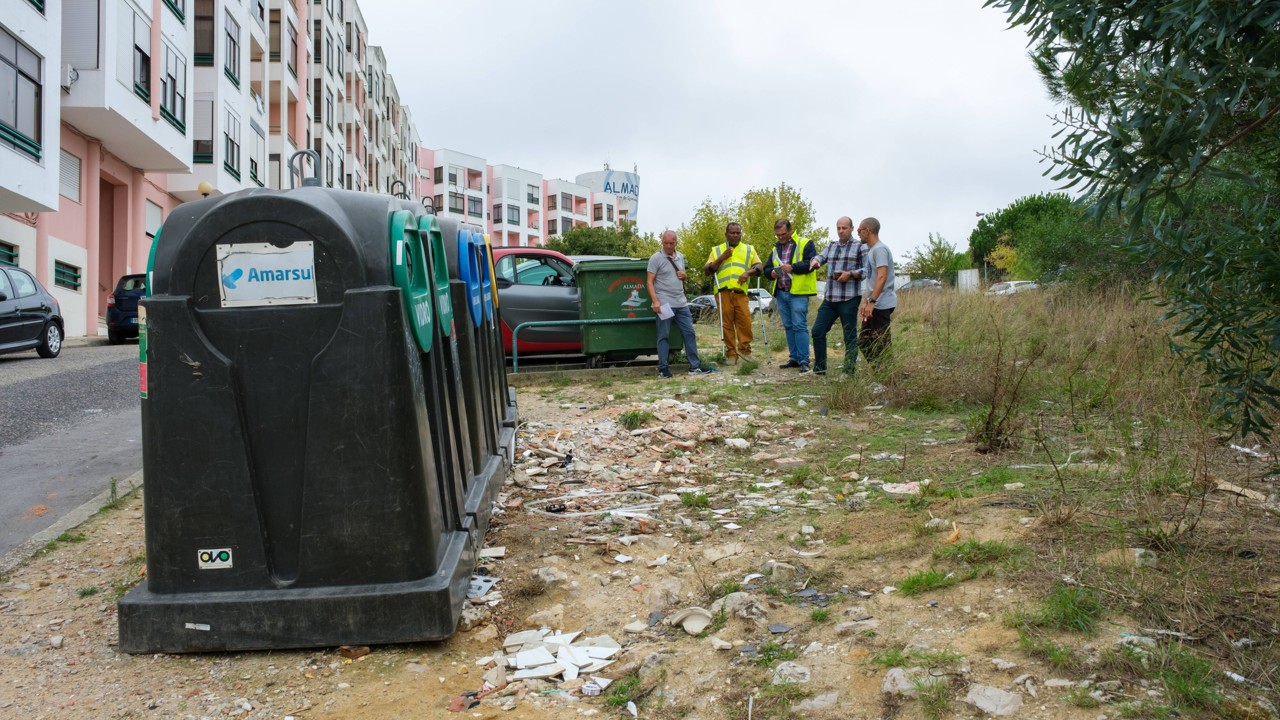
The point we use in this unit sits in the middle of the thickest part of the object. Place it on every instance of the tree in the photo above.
(698, 236)
(1172, 127)
(759, 208)
(939, 259)
(1008, 225)
(623, 241)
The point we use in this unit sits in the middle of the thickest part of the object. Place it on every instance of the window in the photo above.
(202, 138)
(566, 201)
(257, 148)
(204, 33)
(8, 256)
(66, 276)
(453, 177)
(497, 214)
(608, 214)
(141, 57)
(532, 270)
(513, 189)
(551, 203)
(232, 67)
(69, 177)
(173, 90)
(455, 203)
(328, 6)
(328, 166)
(597, 212)
(439, 176)
(155, 216)
(179, 8)
(513, 215)
(328, 108)
(231, 158)
(293, 50)
(5, 286)
(437, 203)
(273, 37)
(20, 95)
(566, 223)
(328, 52)
(531, 194)
(551, 227)
(475, 207)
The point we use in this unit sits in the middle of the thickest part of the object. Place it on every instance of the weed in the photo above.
(634, 419)
(975, 552)
(772, 590)
(820, 615)
(623, 691)
(1059, 657)
(996, 427)
(800, 476)
(926, 580)
(1067, 608)
(695, 500)
(68, 537)
(891, 658)
(899, 657)
(1188, 678)
(934, 696)
(726, 587)
(771, 653)
(85, 592)
(842, 539)
(1080, 697)
(748, 366)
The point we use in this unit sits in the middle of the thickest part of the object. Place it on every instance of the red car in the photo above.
(537, 284)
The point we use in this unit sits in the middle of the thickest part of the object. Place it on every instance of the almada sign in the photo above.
(626, 185)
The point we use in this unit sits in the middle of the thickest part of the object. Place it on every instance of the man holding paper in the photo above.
(666, 274)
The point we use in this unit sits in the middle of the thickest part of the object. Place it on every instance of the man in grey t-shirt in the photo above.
(666, 274)
(878, 297)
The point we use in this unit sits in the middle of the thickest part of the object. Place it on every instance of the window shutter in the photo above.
(69, 177)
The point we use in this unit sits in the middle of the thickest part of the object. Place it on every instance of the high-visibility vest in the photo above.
(801, 284)
(733, 268)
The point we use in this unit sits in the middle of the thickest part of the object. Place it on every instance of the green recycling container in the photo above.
(614, 290)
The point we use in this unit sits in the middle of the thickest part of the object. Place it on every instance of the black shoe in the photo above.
(664, 374)
(789, 364)
(820, 372)
(804, 368)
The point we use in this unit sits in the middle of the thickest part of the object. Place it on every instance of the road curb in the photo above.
(73, 519)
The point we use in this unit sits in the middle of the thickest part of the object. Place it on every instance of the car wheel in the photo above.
(50, 341)
(115, 337)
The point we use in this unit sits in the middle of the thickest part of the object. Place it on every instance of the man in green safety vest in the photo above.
(790, 266)
(732, 264)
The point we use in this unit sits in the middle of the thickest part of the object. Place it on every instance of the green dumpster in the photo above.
(616, 290)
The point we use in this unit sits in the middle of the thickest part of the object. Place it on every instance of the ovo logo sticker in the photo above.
(214, 558)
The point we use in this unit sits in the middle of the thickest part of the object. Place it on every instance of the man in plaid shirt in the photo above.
(843, 259)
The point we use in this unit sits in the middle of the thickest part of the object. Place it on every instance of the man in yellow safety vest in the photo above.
(732, 264)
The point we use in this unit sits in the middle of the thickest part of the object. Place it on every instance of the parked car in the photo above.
(921, 284)
(703, 306)
(759, 300)
(1012, 287)
(537, 284)
(29, 316)
(122, 308)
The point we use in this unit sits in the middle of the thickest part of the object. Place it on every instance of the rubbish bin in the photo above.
(615, 290)
(294, 495)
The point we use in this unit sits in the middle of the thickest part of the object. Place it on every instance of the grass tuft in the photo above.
(926, 580)
(635, 419)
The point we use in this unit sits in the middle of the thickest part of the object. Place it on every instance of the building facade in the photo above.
(122, 109)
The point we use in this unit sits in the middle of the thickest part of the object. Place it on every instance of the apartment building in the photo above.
(113, 112)
(516, 197)
(567, 205)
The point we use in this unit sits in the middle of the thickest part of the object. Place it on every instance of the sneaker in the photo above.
(702, 370)
(804, 368)
(666, 374)
(789, 364)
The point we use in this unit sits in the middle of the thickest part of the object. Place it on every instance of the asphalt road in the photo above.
(68, 426)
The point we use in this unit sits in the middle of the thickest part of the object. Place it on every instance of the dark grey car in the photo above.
(29, 316)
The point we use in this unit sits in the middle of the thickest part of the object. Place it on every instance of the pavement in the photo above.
(67, 522)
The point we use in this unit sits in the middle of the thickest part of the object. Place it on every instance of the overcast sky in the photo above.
(919, 112)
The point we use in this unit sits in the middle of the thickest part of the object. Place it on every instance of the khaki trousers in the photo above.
(736, 323)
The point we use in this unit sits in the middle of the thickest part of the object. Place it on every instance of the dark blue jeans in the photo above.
(793, 310)
(846, 311)
(684, 320)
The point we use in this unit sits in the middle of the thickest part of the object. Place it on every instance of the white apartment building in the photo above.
(458, 186)
(228, 145)
(516, 197)
(567, 204)
(31, 57)
(328, 89)
(354, 125)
